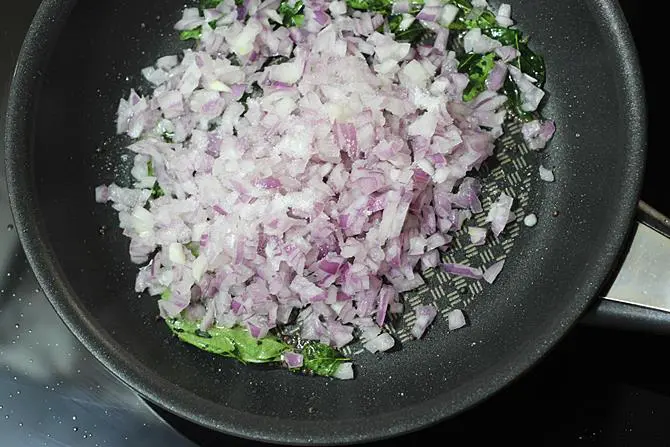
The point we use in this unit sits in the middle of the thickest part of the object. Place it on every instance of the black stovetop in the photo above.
(598, 387)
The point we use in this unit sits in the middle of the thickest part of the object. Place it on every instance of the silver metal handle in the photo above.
(644, 277)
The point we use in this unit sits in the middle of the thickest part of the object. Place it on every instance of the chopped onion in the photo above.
(101, 194)
(530, 94)
(424, 317)
(462, 270)
(492, 272)
(477, 235)
(448, 14)
(345, 371)
(407, 20)
(288, 189)
(401, 7)
(507, 53)
(536, 134)
(176, 253)
(293, 359)
(476, 42)
(456, 319)
(430, 260)
(546, 174)
(504, 15)
(497, 77)
(429, 13)
(500, 213)
(382, 342)
(337, 8)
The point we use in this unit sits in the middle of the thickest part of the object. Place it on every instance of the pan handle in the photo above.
(639, 297)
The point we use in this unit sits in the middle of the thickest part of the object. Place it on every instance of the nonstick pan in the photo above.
(80, 57)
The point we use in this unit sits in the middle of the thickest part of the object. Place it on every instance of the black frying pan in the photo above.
(74, 67)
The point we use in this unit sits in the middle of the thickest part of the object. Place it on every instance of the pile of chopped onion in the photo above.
(323, 195)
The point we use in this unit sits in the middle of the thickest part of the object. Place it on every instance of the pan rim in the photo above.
(50, 17)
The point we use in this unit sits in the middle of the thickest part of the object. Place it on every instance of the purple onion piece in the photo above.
(429, 13)
(293, 360)
(463, 270)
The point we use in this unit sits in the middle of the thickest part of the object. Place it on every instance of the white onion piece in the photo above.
(199, 267)
(176, 253)
(546, 175)
(243, 43)
(430, 260)
(492, 272)
(345, 371)
(500, 213)
(530, 94)
(400, 7)
(190, 20)
(536, 134)
(507, 53)
(476, 42)
(382, 342)
(338, 8)
(407, 20)
(504, 15)
(425, 315)
(505, 10)
(456, 319)
(448, 14)
(477, 235)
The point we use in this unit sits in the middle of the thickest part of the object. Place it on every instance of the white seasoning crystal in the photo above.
(530, 220)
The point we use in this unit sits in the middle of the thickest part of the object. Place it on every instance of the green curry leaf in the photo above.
(168, 137)
(477, 67)
(414, 34)
(188, 332)
(514, 101)
(194, 248)
(321, 359)
(233, 342)
(253, 91)
(157, 191)
(528, 61)
(209, 4)
(237, 343)
(150, 169)
(196, 33)
(381, 6)
(292, 15)
(249, 349)
(532, 64)
(191, 34)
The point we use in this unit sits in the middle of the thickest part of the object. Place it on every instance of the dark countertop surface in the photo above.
(598, 387)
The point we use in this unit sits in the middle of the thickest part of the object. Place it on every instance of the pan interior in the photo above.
(62, 145)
